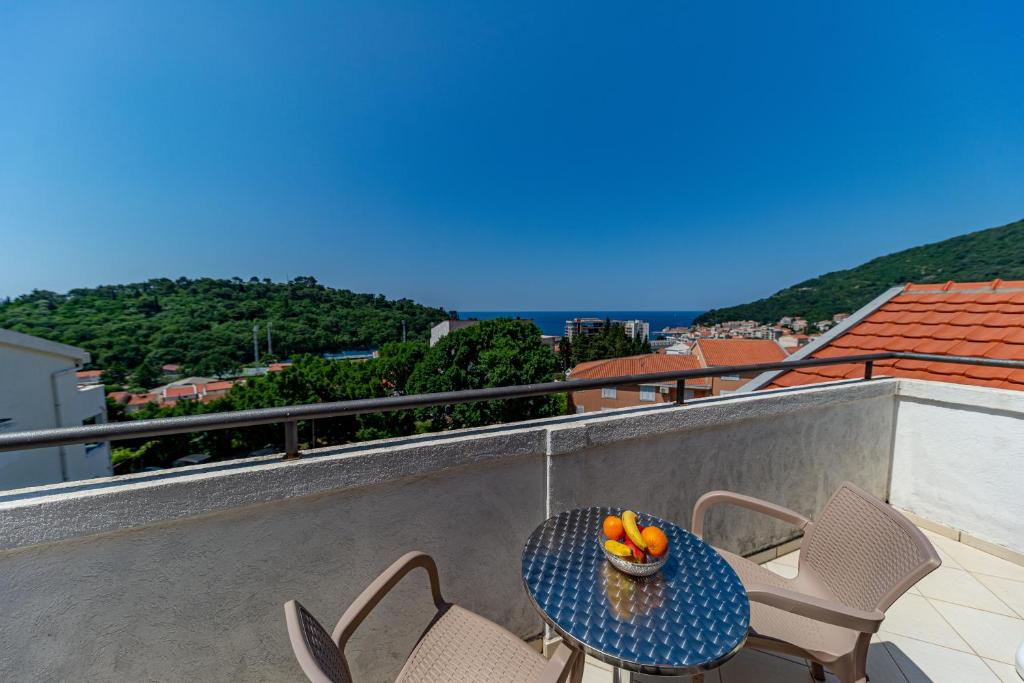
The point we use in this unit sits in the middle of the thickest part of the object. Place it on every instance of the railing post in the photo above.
(869, 369)
(681, 391)
(291, 440)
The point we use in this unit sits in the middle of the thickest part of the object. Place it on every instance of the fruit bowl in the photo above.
(632, 548)
(629, 566)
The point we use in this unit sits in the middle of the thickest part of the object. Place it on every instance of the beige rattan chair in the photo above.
(457, 647)
(855, 560)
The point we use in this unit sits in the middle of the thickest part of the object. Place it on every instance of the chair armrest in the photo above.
(713, 498)
(812, 607)
(376, 591)
(560, 665)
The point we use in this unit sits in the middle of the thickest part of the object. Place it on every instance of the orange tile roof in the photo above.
(140, 399)
(89, 374)
(634, 365)
(223, 385)
(982, 319)
(178, 392)
(717, 352)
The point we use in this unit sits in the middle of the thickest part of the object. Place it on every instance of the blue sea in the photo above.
(553, 322)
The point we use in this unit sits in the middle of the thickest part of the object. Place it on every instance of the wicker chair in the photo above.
(855, 560)
(458, 645)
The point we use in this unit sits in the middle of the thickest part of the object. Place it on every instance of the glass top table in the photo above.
(690, 617)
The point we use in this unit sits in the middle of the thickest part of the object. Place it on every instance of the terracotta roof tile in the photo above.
(980, 319)
(933, 346)
(1014, 335)
(634, 365)
(985, 334)
(715, 352)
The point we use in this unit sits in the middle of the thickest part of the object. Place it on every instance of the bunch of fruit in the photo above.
(630, 541)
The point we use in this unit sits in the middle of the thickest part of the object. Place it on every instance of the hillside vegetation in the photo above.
(206, 324)
(977, 256)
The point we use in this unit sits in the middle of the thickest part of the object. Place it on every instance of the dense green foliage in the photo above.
(611, 342)
(206, 324)
(977, 256)
(493, 353)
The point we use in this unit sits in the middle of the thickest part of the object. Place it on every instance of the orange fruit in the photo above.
(613, 527)
(656, 540)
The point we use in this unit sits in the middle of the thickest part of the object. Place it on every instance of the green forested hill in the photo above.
(206, 324)
(977, 256)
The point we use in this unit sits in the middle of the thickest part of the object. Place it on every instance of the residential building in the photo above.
(634, 329)
(446, 327)
(840, 317)
(86, 378)
(979, 319)
(39, 390)
(629, 395)
(711, 353)
(680, 348)
(171, 370)
(582, 327)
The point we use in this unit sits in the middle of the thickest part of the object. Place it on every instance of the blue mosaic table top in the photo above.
(691, 616)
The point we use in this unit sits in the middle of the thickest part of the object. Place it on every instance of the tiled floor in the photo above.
(961, 624)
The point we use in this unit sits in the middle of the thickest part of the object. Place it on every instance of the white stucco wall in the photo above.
(958, 458)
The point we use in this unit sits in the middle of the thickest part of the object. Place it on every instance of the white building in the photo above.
(635, 329)
(445, 327)
(38, 390)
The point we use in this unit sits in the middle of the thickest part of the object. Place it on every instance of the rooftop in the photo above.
(738, 351)
(634, 365)
(981, 319)
(181, 574)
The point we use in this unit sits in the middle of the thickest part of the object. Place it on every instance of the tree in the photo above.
(611, 342)
(146, 376)
(565, 353)
(493, 353)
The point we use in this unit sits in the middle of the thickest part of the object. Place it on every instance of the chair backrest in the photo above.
(319, 656)
(865, 552)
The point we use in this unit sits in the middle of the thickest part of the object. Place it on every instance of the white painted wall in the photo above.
(958, 458)
(37, 382)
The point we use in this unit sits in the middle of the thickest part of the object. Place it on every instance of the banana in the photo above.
(618, 549)
(629, 524)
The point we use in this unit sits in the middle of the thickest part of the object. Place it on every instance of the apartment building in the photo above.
(39, 390)
(632, 395)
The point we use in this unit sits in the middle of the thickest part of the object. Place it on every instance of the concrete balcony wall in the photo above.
(186, 579)
(959, 459)
(182, 575)
(793, 448)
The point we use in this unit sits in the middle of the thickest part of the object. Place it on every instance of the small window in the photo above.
(647, 393)
(609, 392)
(579, 409)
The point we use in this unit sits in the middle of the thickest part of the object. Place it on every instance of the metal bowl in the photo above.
(632, 568)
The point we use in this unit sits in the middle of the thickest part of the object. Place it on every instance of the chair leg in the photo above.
(817, 671)
(576, 674)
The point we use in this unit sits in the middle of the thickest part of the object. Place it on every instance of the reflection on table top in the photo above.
(689, 617)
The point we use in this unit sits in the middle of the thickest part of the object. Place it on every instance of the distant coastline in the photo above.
(553, 322)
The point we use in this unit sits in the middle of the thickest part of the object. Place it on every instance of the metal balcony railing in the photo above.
(290, 415)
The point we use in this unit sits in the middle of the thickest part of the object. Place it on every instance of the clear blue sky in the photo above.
(664, 155)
